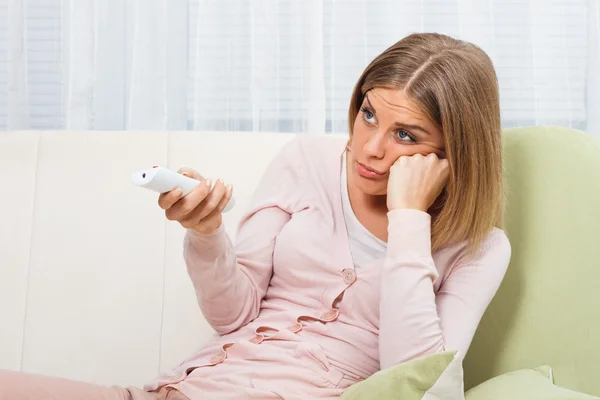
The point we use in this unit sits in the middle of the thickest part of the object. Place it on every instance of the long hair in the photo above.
(454, 83)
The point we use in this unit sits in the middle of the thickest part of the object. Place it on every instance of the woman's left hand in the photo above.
(416, 181)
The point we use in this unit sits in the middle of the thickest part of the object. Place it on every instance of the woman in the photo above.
(355, 255)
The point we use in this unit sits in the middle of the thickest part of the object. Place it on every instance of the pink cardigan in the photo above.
(289, 283)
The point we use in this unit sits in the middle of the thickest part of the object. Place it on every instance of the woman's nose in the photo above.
(375, 146)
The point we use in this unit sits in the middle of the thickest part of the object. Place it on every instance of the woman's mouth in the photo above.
(368, 172)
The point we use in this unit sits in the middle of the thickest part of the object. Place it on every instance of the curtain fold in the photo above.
(17, 106)
(109, 105)
(147, 107)
(78, 35)
(272, 65)
(593, 70)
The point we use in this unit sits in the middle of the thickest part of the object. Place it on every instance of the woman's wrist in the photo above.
(408, 206)
(209, 227)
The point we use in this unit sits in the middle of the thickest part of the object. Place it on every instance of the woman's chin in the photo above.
(367, 186)
(371, 188)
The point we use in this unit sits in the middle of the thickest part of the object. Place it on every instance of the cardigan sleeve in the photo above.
(231, 279)
(414, 320)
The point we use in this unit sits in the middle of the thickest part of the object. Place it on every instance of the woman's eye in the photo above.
(405, 136)
(368, 116)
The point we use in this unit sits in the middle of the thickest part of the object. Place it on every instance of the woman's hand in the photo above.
(200, 210)
(416, 181)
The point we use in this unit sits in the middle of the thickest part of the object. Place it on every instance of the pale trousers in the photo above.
(23, 386)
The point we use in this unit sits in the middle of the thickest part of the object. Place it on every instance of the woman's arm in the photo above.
(231, 281)
(413, 320)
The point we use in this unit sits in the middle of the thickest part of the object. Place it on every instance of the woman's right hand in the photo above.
(201, 209)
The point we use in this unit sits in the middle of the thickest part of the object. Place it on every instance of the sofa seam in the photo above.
(31, 235)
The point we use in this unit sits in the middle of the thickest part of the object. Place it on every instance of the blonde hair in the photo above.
(455, 85)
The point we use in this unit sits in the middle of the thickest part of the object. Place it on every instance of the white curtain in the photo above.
(285, 66)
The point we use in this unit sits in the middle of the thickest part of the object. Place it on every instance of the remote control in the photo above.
(162, 180)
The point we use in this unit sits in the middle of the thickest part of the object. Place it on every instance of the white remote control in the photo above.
(162, 180)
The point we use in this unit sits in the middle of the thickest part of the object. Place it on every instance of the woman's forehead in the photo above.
(395, 100)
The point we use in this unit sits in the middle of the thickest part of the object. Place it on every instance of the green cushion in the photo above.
(431, 377)
(546, 310)
(526, 384)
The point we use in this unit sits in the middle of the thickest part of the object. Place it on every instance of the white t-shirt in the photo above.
(364, 246)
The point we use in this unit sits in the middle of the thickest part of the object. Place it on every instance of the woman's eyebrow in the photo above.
(370, 105)
(412, 127)
(399, 124)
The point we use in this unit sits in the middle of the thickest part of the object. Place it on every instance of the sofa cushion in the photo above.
(525, 384)
(437, 376)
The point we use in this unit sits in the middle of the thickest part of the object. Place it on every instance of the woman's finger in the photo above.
(214, 218)
(166, 200)
(187, 205)
(225, 200)
(212, 201)
(206, 207)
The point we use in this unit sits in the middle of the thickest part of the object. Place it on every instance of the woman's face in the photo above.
(388, 125)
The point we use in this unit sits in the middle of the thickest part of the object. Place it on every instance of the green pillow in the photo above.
(436, 376)
(525, 384)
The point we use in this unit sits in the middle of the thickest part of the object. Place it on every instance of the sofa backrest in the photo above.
(93, 285)
(547, 310)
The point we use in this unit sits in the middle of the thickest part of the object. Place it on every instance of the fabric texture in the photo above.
(545, 311)
(433, 377)
(294, 315)
(525, 384)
